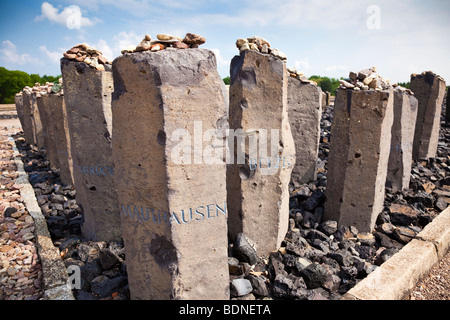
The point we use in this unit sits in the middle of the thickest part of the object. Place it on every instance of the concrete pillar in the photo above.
(87, 94)
(258, 175)
(328, 99)
(324, 98)
(36, 123)
(62, 137)
(429, 89)
(27, 125)
(400, 158)
(305, 112)
(42, 102)
(168, 110)
(18, 99)
(358, 159)
(447, 110)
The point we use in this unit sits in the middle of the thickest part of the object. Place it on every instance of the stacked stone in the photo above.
(400, 157)
(173, 250)
(50, 104)
(447, 109)
(42, 101)
(429, 89)
(259, 44)
(367, 79)
(163, 41)
(30, 107)
(87, 95)
(24, 112)
(58, 110)
(53, 94)
(18, 99)
(359, 151)
(257, 187)
(305, 102)
(293, 73)
(47, 88)
(90, 56)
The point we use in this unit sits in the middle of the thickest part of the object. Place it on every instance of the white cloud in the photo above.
(102, 46)
(70, 16)
(125, 39)
(302, 65)
(54, 56)
(324, 14)
(220, 60)
(10, 55)
(120, 41)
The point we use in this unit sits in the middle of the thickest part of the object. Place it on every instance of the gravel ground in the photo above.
(20, 269)
(436, 286)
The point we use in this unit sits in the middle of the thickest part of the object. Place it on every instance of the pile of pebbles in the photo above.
(367, 79)
(293, 73)
(20, 267)
(102, 268)
(48, 88)
(319, 260)
(259, 44)
(84, 53)
(163, 41)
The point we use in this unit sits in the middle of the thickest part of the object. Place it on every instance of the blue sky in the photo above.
(320, 37)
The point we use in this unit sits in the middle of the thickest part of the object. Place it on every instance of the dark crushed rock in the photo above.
(101, 264)
(319, 260)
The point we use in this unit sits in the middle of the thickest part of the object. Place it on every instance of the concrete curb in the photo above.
(56, 285)
(395, 278)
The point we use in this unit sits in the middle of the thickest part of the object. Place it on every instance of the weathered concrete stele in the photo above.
(447, 110)
(429, 89)
(258, 195)
(42, 102)
(18, 99)
(173, 204)
(62, 138)
(27, 125)
(400, 158)
(87, 94)
(305, 110)
(358, 159)
(36, 123)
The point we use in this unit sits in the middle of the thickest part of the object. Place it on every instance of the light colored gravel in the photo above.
(436, 286)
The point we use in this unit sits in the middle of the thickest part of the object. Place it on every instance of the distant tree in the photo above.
(226, 80)
(35, 78)
(326, 83)
(404, 84)
(11, 82)
(45, 78)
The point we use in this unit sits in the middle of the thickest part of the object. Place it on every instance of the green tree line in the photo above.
(326, 84)
(12, 81)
